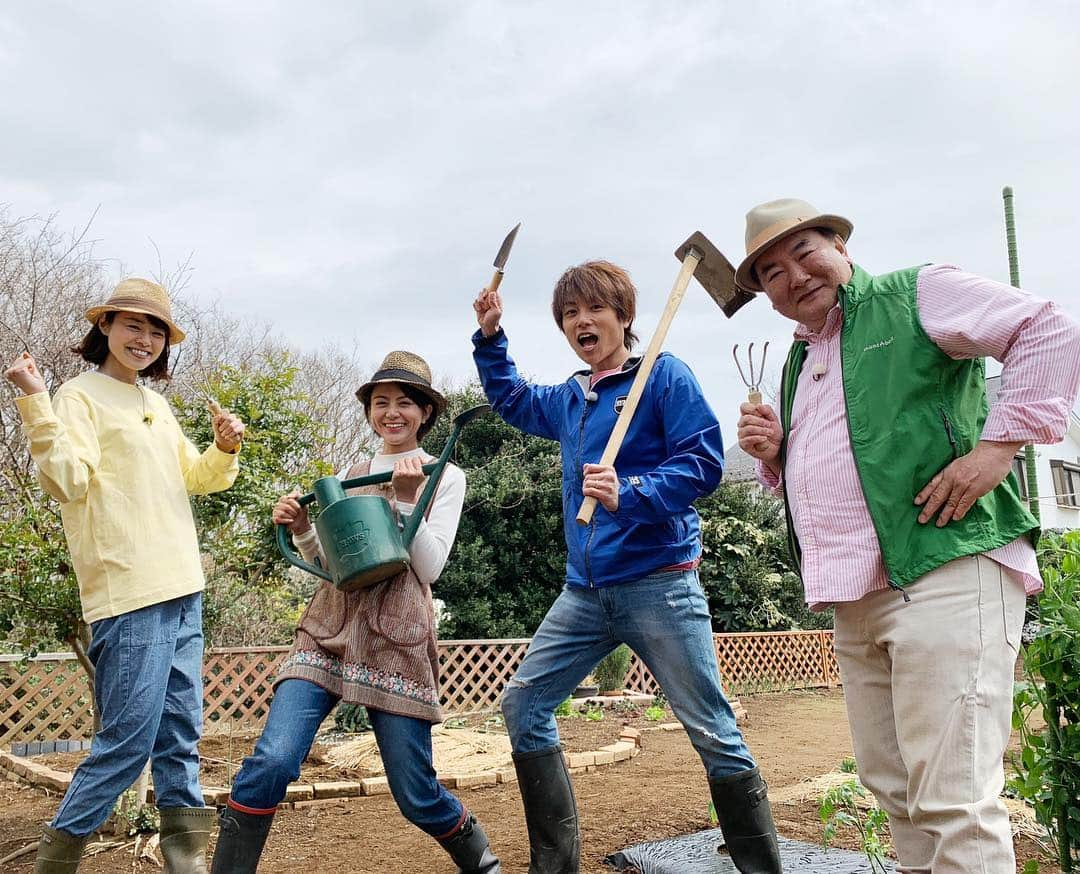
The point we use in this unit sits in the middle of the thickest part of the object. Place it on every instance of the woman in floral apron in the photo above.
(374, 646)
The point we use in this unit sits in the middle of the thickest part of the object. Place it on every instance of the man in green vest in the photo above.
(903, 513)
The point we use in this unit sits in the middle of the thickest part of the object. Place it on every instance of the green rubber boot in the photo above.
(59, 852)
(184, 833)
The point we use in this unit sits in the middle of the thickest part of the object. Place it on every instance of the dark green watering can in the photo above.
(361, 539)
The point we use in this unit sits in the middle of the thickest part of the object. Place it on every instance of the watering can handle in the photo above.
(290, 554)
(373, 479)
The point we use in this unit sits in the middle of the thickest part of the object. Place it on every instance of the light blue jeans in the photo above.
(664, 618)
(148, 689)
(297, 711)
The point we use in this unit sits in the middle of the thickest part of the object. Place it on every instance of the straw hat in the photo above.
(139, 296)
(770, 222)
(404, 367)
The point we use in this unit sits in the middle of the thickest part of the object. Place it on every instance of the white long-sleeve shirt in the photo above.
(434, 538)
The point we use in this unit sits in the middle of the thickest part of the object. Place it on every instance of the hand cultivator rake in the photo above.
(754, 382)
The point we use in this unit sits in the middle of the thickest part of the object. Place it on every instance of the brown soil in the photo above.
(660, 793)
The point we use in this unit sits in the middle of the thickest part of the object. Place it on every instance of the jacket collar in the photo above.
(583, 377)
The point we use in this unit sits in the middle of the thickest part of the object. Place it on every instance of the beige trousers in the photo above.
(928, 685)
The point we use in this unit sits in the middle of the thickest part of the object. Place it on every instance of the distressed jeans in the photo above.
(297, 711)
(148, 689)
(664, 618)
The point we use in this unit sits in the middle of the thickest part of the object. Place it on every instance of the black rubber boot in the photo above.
(59, 852)
(184, 834)
(470, 850)
(550, 812)
(241, 837)
(742, 806)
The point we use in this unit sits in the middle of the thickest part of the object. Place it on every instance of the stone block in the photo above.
(299, 792)
(215, 796)
(338, 789)
(580, 760)
(471, 781)
(604, 757)
(58, 781)
(375, 786)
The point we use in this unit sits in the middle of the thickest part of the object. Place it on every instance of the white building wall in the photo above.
(1052, 511)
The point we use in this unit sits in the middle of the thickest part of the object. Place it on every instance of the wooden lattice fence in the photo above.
(765, 661)
(46, 698)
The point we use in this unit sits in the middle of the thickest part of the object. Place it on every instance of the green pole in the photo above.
(1014, 278)
(1053, 709)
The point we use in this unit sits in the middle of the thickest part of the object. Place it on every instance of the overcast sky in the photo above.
(347, 170)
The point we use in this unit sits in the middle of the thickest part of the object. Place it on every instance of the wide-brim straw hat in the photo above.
(407, 368)
(139, 296)
(770, 222)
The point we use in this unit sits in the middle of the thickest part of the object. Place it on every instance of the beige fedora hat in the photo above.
(770, 222)
(139, 296)
(406, 367)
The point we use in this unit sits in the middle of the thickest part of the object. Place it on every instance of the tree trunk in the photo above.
(80, 645)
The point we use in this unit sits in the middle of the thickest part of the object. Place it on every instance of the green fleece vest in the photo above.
(911, 410)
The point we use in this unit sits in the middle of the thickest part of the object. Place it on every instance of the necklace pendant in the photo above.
(148, 419)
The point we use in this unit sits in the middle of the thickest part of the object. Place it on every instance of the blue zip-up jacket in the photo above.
(672, 455)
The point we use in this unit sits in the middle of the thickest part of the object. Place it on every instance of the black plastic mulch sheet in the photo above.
(699, 854)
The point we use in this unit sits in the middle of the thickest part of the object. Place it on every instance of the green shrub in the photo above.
(610, 674)
(1048, 765)
(352, 718)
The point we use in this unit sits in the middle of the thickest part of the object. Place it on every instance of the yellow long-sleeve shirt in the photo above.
(123, 487)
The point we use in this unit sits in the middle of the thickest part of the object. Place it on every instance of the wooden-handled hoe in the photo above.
(705, 263)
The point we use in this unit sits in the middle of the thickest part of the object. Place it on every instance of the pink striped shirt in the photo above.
(967, 316)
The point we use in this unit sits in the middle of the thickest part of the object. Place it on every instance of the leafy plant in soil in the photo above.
(1048, 764)
(839, 807)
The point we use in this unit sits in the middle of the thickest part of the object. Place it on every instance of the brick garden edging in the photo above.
(301, 795)
(26, 771)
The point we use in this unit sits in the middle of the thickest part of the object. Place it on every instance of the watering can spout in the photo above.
(361, 538)
(418, 513)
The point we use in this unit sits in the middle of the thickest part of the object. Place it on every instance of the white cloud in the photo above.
(348, 170)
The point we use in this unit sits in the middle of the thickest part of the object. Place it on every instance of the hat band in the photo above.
(774, 230)
(121, 303)
(400, 375)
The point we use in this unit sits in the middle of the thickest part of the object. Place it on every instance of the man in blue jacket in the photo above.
(631, 574)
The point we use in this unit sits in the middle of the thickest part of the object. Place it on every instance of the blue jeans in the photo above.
(297, 711)
(664, 618)
(148, 689)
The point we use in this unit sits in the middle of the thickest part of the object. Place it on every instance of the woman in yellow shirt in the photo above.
(112, 453)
